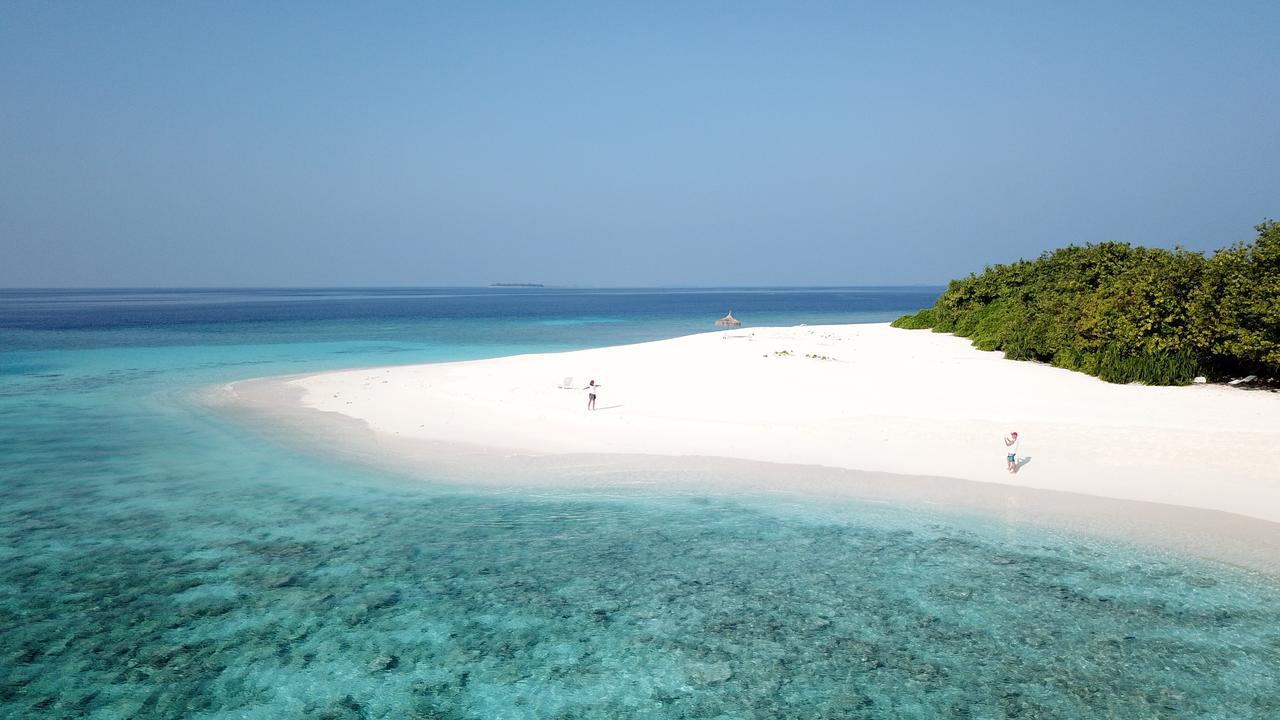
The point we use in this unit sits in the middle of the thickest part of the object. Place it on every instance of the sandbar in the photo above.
(864, 409)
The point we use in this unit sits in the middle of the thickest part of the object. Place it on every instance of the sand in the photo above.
(863, 397)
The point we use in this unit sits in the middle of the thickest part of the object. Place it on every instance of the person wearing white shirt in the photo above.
(1011, 451)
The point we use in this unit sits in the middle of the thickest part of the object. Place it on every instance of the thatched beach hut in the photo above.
(729, 321)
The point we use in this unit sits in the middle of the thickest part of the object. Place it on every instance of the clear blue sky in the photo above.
(225, 143)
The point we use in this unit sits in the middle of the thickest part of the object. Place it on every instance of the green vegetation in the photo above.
(1124, 313)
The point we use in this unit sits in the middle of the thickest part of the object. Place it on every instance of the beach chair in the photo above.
(567, 384)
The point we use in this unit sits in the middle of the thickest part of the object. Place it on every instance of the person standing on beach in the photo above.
(591, 394)
(1011, 451)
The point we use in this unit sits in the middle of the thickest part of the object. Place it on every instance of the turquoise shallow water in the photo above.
(160, 561)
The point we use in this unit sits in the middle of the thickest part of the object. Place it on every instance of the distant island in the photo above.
(1127, 314)
(526, 285)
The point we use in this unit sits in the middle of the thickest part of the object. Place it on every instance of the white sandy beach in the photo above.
(887, 400)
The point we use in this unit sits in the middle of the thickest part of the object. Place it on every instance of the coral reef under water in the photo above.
(395, 604)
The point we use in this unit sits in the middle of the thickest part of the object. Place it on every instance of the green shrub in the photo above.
(918, 321)
(1174, 368)
(1125, 313)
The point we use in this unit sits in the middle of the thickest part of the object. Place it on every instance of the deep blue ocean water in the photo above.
(160, 561)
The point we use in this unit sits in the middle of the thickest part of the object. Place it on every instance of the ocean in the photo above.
(161, 560)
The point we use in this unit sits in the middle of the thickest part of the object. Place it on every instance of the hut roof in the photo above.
(729, 321)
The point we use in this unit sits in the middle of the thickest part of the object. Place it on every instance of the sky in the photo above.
(638, 144)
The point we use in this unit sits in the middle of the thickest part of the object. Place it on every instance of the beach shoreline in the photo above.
(505, 423)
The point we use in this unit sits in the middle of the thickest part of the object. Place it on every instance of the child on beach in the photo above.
(1011, 451)
(591, 394)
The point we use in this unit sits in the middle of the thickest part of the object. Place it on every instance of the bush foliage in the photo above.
(1125, 313)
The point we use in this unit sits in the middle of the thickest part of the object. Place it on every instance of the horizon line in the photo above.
(87, 288)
